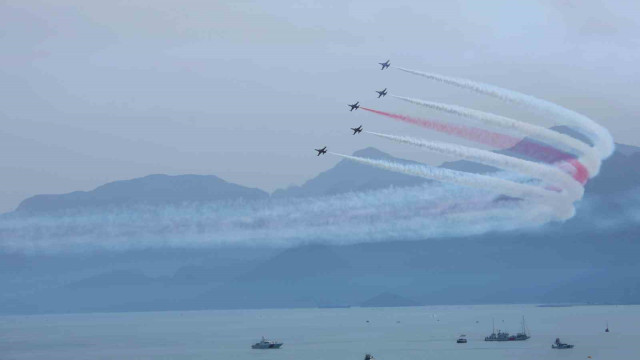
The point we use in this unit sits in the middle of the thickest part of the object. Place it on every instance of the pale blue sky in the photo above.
(96, 91)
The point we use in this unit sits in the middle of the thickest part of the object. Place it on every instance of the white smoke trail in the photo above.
(591, 159)
(561, 205)
(431, 210)
(601, 138)
(549, 174)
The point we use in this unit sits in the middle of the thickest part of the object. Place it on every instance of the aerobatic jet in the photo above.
(321, 151)
(385, 65)
(357, 130)
(355, 106)
(382, 93)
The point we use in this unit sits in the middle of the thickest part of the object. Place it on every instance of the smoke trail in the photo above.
(409, 213)
(546, 173)
(470, 133)
(560, 204)
(524, 147)
(591, 159)
(601, 138)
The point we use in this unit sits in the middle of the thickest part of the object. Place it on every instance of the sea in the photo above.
(404, 333)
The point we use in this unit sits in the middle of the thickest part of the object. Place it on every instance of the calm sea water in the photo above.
(328, 334)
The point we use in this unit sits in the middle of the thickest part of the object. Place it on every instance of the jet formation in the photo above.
(356, 106)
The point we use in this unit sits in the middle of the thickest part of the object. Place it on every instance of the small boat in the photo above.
(266, 344)
(560, 345)
(607, 329)
(462, 339)
(369, 357)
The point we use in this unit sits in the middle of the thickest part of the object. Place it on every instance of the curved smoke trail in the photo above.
(562, 207)
(591, 159)
(601, 138)
(549, 174)
(525, 147)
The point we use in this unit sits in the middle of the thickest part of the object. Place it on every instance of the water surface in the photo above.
(326, 334)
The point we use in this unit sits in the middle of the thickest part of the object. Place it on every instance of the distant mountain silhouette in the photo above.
(148, 190)
(348, 176)
(575, 261)
(301, 277)
(619, 173)
(387, 299)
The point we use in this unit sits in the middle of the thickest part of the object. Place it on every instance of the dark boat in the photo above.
(462, 339)
(560, 345)
(504, 336)
(266, 344)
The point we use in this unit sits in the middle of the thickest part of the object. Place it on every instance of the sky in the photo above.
(95, 91)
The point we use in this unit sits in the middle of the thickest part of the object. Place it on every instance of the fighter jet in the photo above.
(382, 93)
(357, 130)
(385, 65)
(321, 151)
(355, 106)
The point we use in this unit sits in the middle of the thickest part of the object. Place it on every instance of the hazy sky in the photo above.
(96, 91)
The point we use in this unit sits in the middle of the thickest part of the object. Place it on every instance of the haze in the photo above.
(93, 92)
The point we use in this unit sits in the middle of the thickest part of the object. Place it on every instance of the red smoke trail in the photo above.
(471, 133)
(525, 147)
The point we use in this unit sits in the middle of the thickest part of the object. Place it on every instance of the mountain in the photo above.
(348, 176)
(148, 190)
(589, 258)
(387, 299)
(305, 276)
(619, 173)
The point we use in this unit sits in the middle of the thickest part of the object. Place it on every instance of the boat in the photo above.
(462, 339)
(266, 344)
(369, 357)
(499, 336)
(560, 345)
(607, 329)
(522, 335)
(504, 336)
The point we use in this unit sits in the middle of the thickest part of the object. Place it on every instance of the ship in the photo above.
(266, 344)
(522, 335)
(462, 339)
(504, 336)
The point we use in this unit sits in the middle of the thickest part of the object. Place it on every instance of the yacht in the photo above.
(462, 339)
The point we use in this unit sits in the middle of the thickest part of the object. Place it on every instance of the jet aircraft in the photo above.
(357, 130)
(321, 151)
(385, 65)
(355, 106)
(382, 93)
